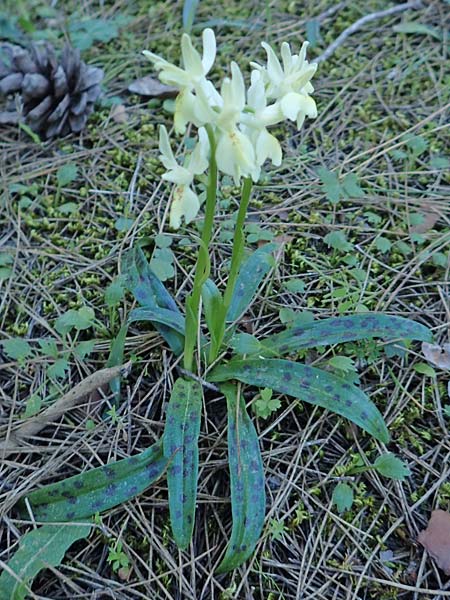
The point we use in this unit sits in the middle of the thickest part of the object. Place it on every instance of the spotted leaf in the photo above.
(181, 443)
(248, 500)
(99, 489)
(151, 294)
(252, 272)
(309, 384)
(159, 316)
(342, 329)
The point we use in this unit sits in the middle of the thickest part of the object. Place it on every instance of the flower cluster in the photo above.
(238, 117)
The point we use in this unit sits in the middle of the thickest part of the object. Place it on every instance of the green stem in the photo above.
(236, 260)
(203, 262)
(238, 242)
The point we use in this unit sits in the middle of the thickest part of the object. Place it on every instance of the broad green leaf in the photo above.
(48, 347)
(6, 259)
(114, 293)
(164, 241)
(439, 162)
(83, 349)
(343, 497)
(255, 233)
(66, 174)
(295, 285)
(38, 549)
(248, 499)
(338, 241)
(123, 224)
(265, 405)
(58, 369)
(391, 466)
(98, 489)
(310, 385)
(68, 208)
(151, 293)
(79, 319)
(417, 144)
(244, 343)
(342, 363)
(252, 272)
(214, 312)
(33, 405)
(331, 185)
(17, 348)
(337, 330)
(5, 273)
(84, 33)
(383, 244)
(161, 316)
(189, 10)
(424, 369)
(352, 187)
(162, 263)
(181, 446)
(8, 28)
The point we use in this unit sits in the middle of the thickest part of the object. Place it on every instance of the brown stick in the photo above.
(415, 4)
(62, 405)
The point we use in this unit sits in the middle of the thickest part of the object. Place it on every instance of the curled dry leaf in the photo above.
(436, 539)
(151, 87)
(119, 113)
(440, 357)
(88, 385)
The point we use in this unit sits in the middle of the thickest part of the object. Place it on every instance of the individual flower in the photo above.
(258, 118)
(188, 107)
(289, 85)
(185, 202)
(235, 154)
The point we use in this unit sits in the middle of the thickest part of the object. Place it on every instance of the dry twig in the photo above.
(362, 21)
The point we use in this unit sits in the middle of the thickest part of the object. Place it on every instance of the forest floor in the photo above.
(69, 208)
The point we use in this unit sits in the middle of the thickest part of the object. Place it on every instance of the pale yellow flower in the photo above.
(289, 84)
(188, 107)
(185, 202)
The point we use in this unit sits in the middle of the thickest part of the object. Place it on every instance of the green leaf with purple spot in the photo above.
(309, 384)
(248, 500)
(98, 489)
(159, 316)
(343, 329)
(252, 272)
(181, 445)
(150, 292)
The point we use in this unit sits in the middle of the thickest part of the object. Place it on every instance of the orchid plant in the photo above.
(232, 126)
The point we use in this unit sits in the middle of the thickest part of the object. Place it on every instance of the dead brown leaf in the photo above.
(440, 357)
(436, 539)
(33, 425)
(151, 87)
(430, 218)
(119, 113)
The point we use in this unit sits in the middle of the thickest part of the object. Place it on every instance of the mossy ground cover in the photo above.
(375, 237)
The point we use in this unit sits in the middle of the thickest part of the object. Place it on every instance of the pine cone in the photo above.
(57, 97)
